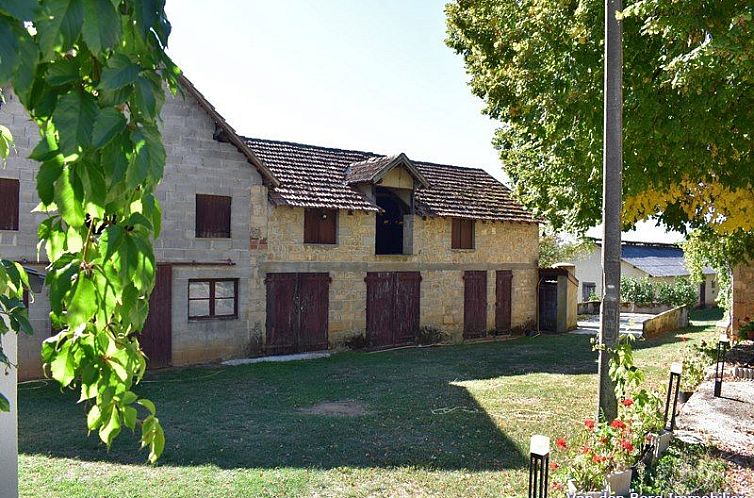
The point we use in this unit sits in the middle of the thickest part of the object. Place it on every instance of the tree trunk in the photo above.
(611, 204)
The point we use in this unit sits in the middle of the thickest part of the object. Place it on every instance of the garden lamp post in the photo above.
(539, 464)
(722, 350)
(674, 387)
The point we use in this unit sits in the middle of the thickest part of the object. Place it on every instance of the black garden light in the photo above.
(722, 350)
(674, 387)
(539, 464)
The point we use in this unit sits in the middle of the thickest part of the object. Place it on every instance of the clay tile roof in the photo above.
(374, 168)
(312, 176)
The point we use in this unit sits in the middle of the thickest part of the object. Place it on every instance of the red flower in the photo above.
(561, 443)
(557, 486)
(628, 402)
(589, 423)
(604, 440)
(586, 450)
(626, 444)
(598, 458)
(554, 466)
(617, 424)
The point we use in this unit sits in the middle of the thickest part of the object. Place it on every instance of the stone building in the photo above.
(656, 261)
(272, 247)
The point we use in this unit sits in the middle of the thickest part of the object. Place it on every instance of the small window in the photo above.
(587, 289)
(320, 226)
(9, 204)
(215, 298)
(212, 216)
(463, 234)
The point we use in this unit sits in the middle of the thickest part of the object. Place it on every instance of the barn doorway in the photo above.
(297, 312)
(393, 308)
(156, 338)
(474, 304)
(389, 229)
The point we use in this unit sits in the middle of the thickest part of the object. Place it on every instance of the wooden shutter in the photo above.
(320, 226)
(462, 234)
(213, 216)
(9, 204)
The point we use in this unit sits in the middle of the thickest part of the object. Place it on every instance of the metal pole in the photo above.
(612, 166)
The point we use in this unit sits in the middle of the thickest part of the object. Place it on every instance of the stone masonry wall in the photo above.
(743, 295)
(512, 246)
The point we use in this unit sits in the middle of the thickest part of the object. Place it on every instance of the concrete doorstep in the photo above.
(285, 357)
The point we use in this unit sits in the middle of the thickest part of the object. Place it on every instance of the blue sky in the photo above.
(370, 75)
(363, 74)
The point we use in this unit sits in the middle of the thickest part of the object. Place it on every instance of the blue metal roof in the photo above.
(657, 260)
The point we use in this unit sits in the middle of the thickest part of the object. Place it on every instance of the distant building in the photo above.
(659, 262)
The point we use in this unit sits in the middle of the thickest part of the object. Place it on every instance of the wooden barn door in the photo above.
(156, 338)
(281, 316)
(313, 295)
(503, 293)
(393, 308)
(380, 305)
(548, 306)
(297, 312)
(407, 306)
(474, 304)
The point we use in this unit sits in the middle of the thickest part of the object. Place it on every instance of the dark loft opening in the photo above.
(389, 234)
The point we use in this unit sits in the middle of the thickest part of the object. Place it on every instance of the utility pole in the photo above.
(612, 170)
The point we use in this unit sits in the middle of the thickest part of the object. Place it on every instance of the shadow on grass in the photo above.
(250, 416)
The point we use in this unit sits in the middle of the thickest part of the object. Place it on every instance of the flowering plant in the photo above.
(597, 449)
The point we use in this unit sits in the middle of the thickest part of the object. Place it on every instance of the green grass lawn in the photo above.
(444, 421)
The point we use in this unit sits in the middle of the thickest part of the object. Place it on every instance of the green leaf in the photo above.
(47, 175)
(111, 241)
(8, 50)
(6, 142)
(109, 123)
(93, 418)
(63, 72)
(60, 28)
(62, 365)
(111, 429)
(69, 198)
(23, 10)
(120, 71)
(101, 29)
(83, 304)
(157, 445)
(129, 417)
(74, 119)
(4, 404)
(148, 405)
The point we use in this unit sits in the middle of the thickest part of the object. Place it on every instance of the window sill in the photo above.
(205, 318)
(463, 250)
(394, 256)
(213, 238)
(323, 245)
(12, 230)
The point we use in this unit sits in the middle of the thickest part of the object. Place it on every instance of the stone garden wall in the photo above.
(743, 295)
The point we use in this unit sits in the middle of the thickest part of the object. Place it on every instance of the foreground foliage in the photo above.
(685, 469)
(679, 292)
(90, 73)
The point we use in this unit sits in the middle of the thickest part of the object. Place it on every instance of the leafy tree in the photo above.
(90, 73)
(706, 248)
(688, 116)
(555, 249)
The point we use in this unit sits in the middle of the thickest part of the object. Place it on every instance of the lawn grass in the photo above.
(444, 421)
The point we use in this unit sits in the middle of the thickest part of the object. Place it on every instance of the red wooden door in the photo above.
(313, 296)
(156, 337)
(380, 305)
(281, 313)
(407, 306)
(503, 292)
(474, 304)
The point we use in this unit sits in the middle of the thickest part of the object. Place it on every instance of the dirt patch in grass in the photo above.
(336, 409)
